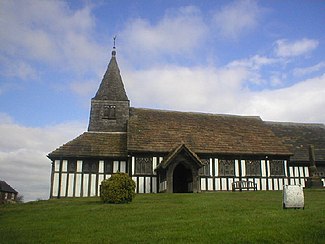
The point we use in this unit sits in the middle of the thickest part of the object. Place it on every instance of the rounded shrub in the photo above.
(119, 188)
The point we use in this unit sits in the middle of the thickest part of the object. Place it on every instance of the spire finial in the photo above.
(114, 48)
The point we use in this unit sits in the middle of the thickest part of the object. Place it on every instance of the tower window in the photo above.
(109, 112)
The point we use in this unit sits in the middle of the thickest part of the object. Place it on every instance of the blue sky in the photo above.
(262, 58)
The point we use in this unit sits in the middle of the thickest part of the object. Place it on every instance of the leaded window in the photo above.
(72, 166)
(143, 165)
(205, 170)
(90, 166)
(253, 167)
(109, 112)
(276, 167)
(226, 167)
(108, 167)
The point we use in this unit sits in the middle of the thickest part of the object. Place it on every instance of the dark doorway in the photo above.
(182, 179)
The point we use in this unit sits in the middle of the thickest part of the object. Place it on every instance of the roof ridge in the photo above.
(295, 123)
(197, 113)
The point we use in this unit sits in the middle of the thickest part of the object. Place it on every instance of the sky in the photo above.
(263, 58)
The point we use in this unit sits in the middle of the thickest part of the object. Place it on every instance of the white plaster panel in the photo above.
(64, 165)
(154, 165)
(78, 185)
(161, 159)
(301, 171)
(63, 184)
(275, 184)
(123, 166)
(285, 168)
(268, 167)
(93, 185)
(211, 168)
(236, 168)
(55, 185)
(101, 166)
(306, 172)
(230, 181)
(280, 184)
(141, 185)
(154, 184)
(85, 185)
(100, 179)
(217, 182)
(115, 166)
(70, 186)
(216, 166)
(203, 186)
(148, 184)
(210, 184)
(291, 172)
(135, 181)
(57, 165)
(263, 168)
(107, 177)
(270, 184)
(297, 171)
(264, 184)
(79, 166)
(224, 184)
(243, 168)
(133, 165)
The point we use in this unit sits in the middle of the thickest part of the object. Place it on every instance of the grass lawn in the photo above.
(222, 217)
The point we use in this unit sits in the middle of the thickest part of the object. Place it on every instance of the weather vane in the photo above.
(114, 38)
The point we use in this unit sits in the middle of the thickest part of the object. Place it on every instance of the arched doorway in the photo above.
(182, 179)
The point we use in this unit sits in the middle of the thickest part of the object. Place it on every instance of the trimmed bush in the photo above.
(120, 188)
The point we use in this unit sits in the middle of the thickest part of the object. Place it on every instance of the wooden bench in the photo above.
(243, 184)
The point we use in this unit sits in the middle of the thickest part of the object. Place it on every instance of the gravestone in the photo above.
(293, 197)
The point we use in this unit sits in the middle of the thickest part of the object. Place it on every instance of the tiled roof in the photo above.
(298, 137)
(93, 144)
(4, 187)
(161, 131)
(111, 87)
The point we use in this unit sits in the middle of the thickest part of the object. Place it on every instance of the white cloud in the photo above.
(302, 102)
(48, 32)
(237, 18)
(309, 70)
(179, 31)
(224, 90)
(286, 49)
(23, 150)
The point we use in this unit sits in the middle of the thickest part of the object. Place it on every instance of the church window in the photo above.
(143, 165)
(205, 170)
(72, 166)
(253, 167)
(90, 166)
(85, 167)
(94, 167)
(109, 112)
(226, 167)
(108, 168)
(276, 168)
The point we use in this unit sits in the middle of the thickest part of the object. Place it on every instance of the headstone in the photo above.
(293, 197)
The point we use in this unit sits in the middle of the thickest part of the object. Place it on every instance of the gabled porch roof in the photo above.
(173, 154)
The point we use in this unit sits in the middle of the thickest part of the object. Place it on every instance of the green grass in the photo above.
(223, 217)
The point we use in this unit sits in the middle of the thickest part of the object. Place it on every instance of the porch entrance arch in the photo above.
(182, 179)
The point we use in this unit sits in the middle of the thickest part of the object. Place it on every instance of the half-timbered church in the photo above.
(171, 151)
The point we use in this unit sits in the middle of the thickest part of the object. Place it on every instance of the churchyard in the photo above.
(220, 217)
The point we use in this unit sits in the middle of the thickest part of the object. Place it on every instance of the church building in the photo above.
(180, 152)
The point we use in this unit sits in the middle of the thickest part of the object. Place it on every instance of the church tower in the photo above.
(110, 106)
